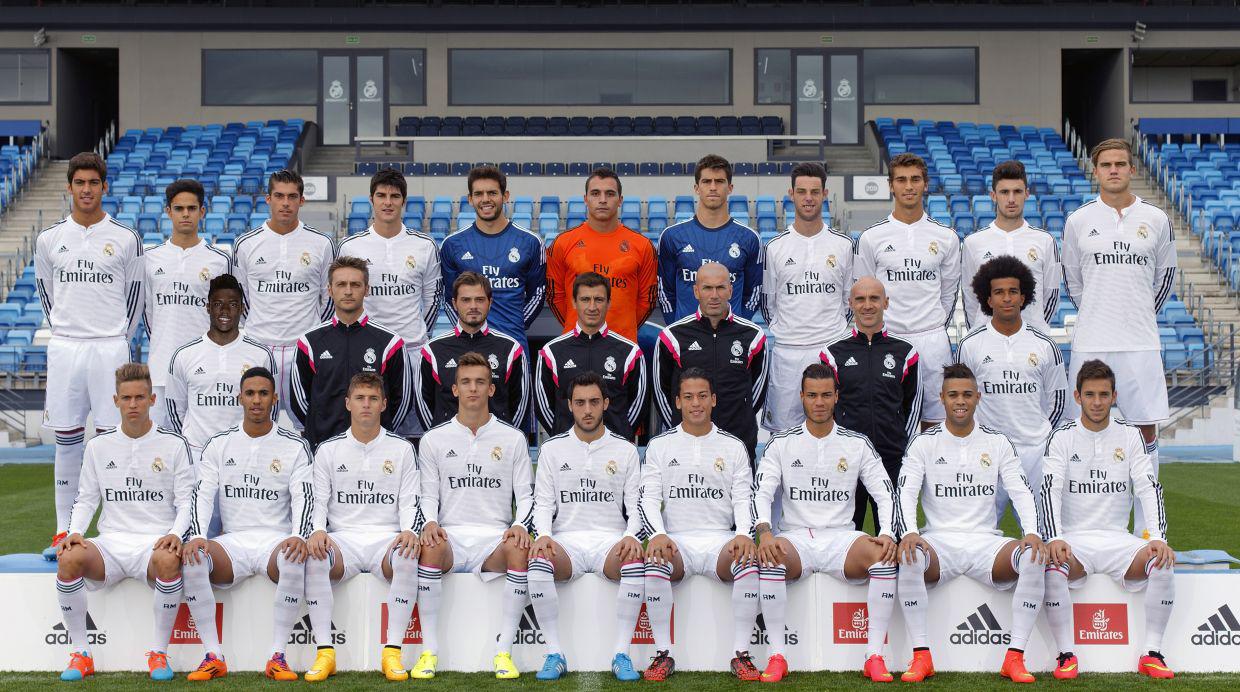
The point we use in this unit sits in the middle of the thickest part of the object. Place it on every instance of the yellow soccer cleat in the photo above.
(393, 668)
(424, 669)
(505, 669)
(324, 666)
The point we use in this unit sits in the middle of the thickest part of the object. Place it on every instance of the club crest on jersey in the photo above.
(737, 349)
(831, 261)
(1143, 231)
(934, 247)
(889, 362)
(108, 250)
(719, 464)
(388, 467)
(275, 466)
(204, 274)
(611, 467)
(493, 361)
(610, 364)
(410, 261)
(157, 465)
(370, 356)
(624, 246)
(734, 251)
(842, 467)
(1119, 454)
(513, 255)
(244, 367)
(305, 259)
(985, 460)
(1033, 254)
(497, 454)
(1033, 360)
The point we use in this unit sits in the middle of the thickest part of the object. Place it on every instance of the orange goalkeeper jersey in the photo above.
(624, 256)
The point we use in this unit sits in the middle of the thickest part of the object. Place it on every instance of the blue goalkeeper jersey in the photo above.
(515, 262)
(685, 246)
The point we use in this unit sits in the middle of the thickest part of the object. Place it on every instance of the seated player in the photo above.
(956, 466)
(474, 466)
(815, 468)
(262, 475)
(143, 478)
(366, 519)
(587, 484)
(1094, 468)
(695, 496)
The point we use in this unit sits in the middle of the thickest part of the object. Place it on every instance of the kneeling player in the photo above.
(818, 464)
(1093, 468)
(696, 477)
(262, 475)
(960, 465)
(588, 481)
(473, 468)
(366, 519)
(143, 478)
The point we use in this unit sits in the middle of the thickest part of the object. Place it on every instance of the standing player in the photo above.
(587, 518)
(475, 470)
(695, 497)
(1019, 369)
(814, 468)
(808, 270)
(283, 268)
(604, 246)
(88, 269)
(1010, 234)
(591, 347)
(1119, 261)
(917, 259)
(143, 478)
(710, 236)
(202, 374)
(176, 280)
(263, 478)
(366, 519)
(956, 468)
(1095, 467)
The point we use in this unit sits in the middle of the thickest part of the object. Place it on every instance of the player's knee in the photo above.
(71, 563)
(165, 565)
(318, 567)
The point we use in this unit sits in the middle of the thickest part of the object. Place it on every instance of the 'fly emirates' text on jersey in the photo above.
(366, 487)
(696, 483)
(919, 265)
(587, 486)
(1035, 248)
(264, 482)
(473, 480)
(513, 260)
(89, 279)
(406, 285)
(805, 285)
(204, 381)
(285, 281)
(175, 288)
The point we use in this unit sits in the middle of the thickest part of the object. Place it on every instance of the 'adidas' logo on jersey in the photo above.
(1075, 457)
(565, 467)
(889, 248)
(1093, 233)
(451, 454)
(789, 262)
(694, 346)
(673, 462)
(325, 355)
(850, 361)
(62, 249)
(451, 363)
(467, 256)
(260, 260)
(111, 465)
(988, 255)
(199, 371)
(159, 272)
(687, 248)
(580, 243)
(987, 359)
(796, 464)
(342, 469)
(230, 462)
(981, 627)
(940, 460)
(1220, 629)
(570, 364)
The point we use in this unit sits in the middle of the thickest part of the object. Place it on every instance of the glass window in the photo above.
(1189, 75)
(920, 75)
(407, 77)
(25, 76)
(570, 77)
(260, 77)
(773, 76)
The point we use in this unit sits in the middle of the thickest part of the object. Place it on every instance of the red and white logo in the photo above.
(642, 634)
(413, 631)
(1100, 623)
(850, 623)
(185, 631)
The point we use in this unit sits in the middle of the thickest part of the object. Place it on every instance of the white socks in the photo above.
(744, 604)
(430, 592)
(546, 601)
(629, 598)
(201, 601)
(1058, 605)
(67, 469)
(319, 598)
(1159, 599)
(72, 598)
(289, 591)
(773, 585)
(402, 592)
(658, 580)
(1028, 597)
(913, 597)
(516, 591)
(167, 601)
(880, 598)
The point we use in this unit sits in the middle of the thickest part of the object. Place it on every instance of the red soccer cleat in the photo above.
(661, 667)
(1066, 667)
(744, 669)
(920, 668)
(776, 669)
(1153, 665)
(1014, 667)
(876, 669)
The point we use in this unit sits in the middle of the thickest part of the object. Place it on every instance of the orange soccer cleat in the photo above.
(277, 668)
(876, 669)
(1153, 665)
(210, 668)
(1066, 667)
(81, 665)
(1014, 667)
(920, 668)
(776, 669)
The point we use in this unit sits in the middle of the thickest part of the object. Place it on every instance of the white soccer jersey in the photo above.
(1035, 248)
(473, 480)
(263, 482)
(175, 284)
(406, 285)
(817, 478)
(1089, 480)
(1120, 269)
(694, 483)
(919, 265)
(805, 286)
(204, 380)
(587, 486)
(285, 281)
(1022, 381)
(957, 477)
(145, 485)
(366, 487)
(89, 279)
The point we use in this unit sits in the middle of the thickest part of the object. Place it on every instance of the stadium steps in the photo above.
(851, 160)
(334, 160)
(42, 202)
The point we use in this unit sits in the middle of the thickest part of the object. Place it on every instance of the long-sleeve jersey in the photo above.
(612, 357)
(204, 380)
(264, 482)
(474, 479)
(880, 391)
(587, 486)
(89, 279)
(175, 284)
(515, 263)
(1035, 248)
(1120, 269)
(919, 265)
(370, 486)
(145, 485)
(510, 373)
(695, 483)
(406, 283)
(285, 281)
(1022, 381)
(1089, 480)
(805, 284)
(625, 257)
(816, 478)
(957, 477)
(686, 246)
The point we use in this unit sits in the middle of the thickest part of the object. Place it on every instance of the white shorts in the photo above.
(1141, 388)
(934, 350)
(249, 552)
(824, 550)
(783, 389)
(81, 380)
(587, 550)
(699, 550)
(472, 545)
(286, 367)
(1106, 552)
(125, 556)
(363, 551)
(969, 555)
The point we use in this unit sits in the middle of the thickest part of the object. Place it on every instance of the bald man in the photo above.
(729, 347)
(879, 390)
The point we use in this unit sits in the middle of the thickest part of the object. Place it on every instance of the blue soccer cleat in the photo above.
(622, 668)
(554, 667)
